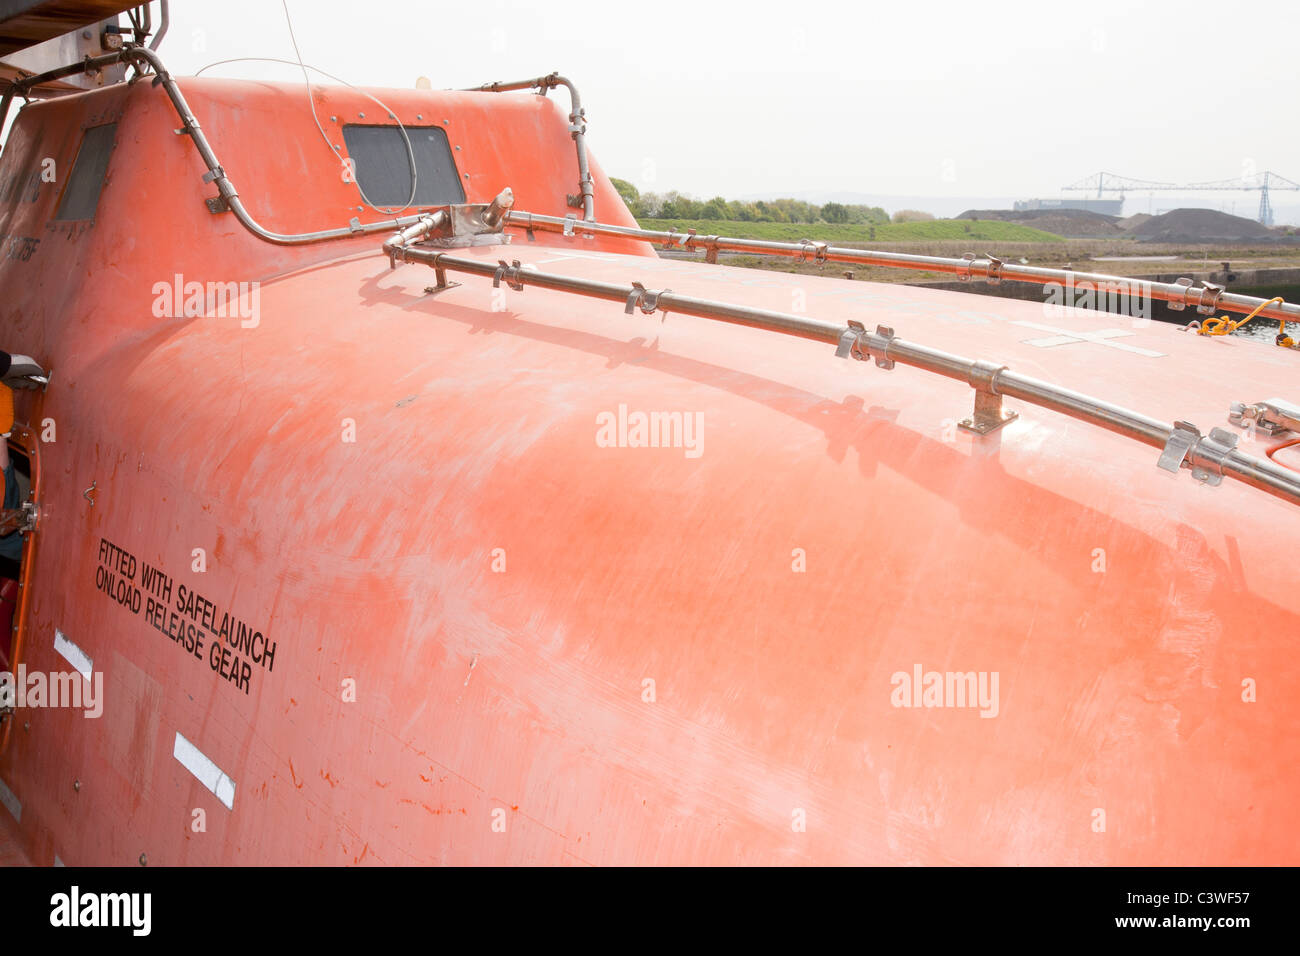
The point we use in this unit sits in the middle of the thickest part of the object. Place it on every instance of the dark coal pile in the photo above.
(1201, 225)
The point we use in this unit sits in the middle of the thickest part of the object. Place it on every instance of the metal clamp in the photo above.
(512, 273)
(1209, 301)
(1204, 455)
(569, 222)
(1209, 454)
(988, 415)
(1181, 441)
(963, 272)
(710, 244)
(995, 269)
(853, 342)
(1177, 305)
(818, 249)
(856, 342)
(647, 300)
(881, 355)
(675, 238)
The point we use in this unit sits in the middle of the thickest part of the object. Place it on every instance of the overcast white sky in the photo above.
(904, 98)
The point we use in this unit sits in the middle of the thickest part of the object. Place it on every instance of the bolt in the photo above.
(27, 726)
(361, 115)
(76, 785)
(144, 860)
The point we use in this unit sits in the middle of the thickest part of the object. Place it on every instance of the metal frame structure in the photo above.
(227, 197)
(1210, 457)
(585, 197)
(1180, 294)
(1258, 182)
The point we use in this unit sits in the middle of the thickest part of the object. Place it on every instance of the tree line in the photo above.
(673, 205)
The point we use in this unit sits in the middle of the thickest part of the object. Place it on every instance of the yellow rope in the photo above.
(1224, 324)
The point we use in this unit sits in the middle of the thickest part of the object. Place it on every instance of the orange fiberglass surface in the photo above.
(376, 569)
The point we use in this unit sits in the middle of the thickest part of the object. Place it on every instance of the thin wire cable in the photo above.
(410, 152)
(312, 103)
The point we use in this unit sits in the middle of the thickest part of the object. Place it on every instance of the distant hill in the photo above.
(1201, 225)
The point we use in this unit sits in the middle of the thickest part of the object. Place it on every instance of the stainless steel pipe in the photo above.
(1260, 473)
(216, 173)
(577, 129)
(980, 268)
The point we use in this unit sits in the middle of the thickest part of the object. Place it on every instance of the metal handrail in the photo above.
(1204, 298)
(228, 197)
(1210, 457)
(577, 129)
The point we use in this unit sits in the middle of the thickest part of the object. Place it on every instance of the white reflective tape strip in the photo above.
(208, 773)
(10, 801)
(73, 654)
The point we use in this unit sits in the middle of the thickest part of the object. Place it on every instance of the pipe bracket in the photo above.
(1204, 455)
(881, 352)
(1210, 293)
(511, 273)
(989, 414)
(647, 300)
(853, 342)
(963, 270)
(817, 250)
(1177, 305)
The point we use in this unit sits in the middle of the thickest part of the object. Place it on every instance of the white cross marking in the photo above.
(1100, 337)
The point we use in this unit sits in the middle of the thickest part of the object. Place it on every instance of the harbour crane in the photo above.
(1262, 182)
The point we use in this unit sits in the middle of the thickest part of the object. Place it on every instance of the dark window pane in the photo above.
(384, 168)
(87, 179)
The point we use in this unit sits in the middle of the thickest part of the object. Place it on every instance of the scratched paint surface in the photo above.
(517, 697)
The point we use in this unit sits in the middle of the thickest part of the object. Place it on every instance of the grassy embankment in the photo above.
(985, 230)
(950, 237)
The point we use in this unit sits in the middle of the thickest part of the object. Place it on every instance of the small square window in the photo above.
(383, 166)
